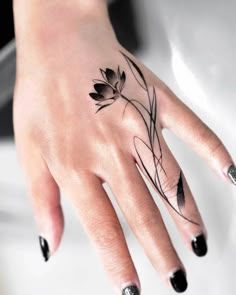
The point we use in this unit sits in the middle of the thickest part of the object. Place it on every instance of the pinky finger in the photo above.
(45, 199)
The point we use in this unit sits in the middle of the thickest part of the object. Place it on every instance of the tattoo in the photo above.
(108, 90)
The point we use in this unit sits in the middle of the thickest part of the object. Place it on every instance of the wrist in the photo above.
(86, 8)
(48, 19)
(46, 34)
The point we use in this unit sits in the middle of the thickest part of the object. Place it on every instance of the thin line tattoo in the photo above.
(108, 90)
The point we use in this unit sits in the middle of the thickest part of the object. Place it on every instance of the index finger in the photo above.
(182, 121)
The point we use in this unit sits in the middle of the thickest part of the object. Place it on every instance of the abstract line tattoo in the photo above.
(108, 90)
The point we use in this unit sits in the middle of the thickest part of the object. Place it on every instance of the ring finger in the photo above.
(166, 177)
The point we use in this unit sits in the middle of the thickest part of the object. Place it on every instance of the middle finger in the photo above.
(144, 218)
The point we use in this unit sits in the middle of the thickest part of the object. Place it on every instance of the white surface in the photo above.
(190, 45)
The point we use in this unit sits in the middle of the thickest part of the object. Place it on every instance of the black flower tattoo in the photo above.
(111, 88)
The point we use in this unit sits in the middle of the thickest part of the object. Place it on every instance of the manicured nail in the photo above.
(44, 247)
(130, 290)
(199, 245)
(232, 173)
(178, 281)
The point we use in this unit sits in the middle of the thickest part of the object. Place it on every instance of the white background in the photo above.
(191, 46)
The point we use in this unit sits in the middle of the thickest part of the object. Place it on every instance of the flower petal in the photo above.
(103, 74)
(103, 89)
(96, 96)
(111, 76)
(122, 81)
(123, 76)
(106, 101)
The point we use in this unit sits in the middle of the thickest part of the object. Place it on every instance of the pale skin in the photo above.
(64, 146)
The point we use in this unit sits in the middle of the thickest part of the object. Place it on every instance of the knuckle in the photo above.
(147, 221)
(215, 147)
(106, 234)
(204, 131)
(210, 140)
(118, 265)
(34, 189)
(40, 204)
(67, 175)
(192, 215)
(119, 158)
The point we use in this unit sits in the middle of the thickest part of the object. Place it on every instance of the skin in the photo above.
(63, 146)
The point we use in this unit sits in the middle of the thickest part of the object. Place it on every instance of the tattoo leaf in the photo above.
(180, 193)
(135, 140)
(105, 105)
(138, 75)
(153, 116)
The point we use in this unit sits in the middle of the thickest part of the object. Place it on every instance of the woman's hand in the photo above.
(86, 112)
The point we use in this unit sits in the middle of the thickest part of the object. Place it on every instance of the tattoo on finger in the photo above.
(110, 88)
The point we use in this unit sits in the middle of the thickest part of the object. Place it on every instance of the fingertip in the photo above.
(129, 287)
(44, 248)
(229, 173)
(51, 227)
(177, 279)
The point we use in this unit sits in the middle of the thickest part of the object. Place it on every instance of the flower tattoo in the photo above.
(107, 91)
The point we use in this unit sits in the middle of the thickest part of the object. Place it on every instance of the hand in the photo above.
(87, 112)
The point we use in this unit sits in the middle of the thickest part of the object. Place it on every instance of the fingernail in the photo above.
(178, 281)
(130, 290)
(44, 248)
(232, 173)
(199, 245)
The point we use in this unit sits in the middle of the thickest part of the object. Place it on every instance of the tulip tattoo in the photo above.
(108, 90)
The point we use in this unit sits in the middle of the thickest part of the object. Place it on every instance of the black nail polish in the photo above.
(178, 281)
(232, 173)
(131, 290)
(44, 247)
(199, 245)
